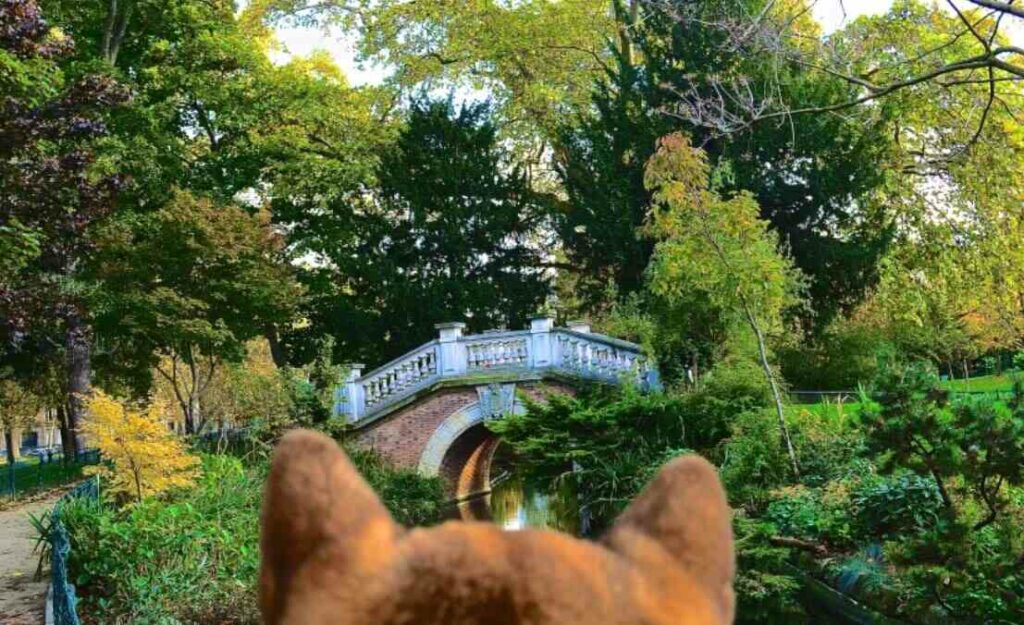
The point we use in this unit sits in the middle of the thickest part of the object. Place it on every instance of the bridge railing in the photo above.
(573, 351)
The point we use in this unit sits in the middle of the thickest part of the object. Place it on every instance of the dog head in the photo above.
(332, 555)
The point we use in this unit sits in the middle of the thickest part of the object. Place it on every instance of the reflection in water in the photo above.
(516, 504)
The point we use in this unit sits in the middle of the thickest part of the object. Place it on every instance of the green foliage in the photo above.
(580, 440)
(537, 60)
(452, 225)
(716, 246)
(899, 504)
(412, 499)
(766, 590)
(813, 180)
(606, 446)
(18, 246)
(843, 356)
(194, 558)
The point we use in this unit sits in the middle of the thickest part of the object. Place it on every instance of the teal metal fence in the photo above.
(63, 591)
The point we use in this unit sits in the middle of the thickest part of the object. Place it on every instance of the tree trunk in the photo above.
(79, 355)
(66, 444)
(776, 395)
(9, 441)
(625, 35)
(114, 29)
(277, 351)
(194, 414)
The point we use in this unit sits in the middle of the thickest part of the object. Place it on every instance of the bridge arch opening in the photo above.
(461, 451)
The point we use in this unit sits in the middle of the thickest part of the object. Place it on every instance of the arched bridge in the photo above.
(427, 409)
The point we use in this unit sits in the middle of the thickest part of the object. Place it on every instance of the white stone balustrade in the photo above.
(573, 351)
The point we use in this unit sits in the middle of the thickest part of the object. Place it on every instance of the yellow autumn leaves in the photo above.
(144, 458)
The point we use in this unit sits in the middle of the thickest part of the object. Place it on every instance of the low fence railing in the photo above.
(62, 603)
(573, 351)
(818, 397)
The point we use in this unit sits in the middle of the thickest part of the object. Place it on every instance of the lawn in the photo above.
(30, 476)
(981, 384)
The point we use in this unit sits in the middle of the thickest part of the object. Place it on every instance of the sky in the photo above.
(302, 41)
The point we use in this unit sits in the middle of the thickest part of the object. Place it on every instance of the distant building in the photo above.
(44, 434)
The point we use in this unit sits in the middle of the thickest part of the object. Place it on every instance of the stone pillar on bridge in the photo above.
(452, 355)
(579, 325)
(542, 348)
(347, 401)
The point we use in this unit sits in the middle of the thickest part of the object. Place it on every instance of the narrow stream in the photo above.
(514, 503)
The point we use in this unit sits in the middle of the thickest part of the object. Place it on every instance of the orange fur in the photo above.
(332, 555)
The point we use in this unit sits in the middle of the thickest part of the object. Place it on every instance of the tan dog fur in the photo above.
(332, 555)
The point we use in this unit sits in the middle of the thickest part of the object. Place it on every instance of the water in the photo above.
(515, 503)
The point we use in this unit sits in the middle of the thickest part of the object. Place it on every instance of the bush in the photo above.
(412, 499)
(897, 504)
(194, 557)
(845, 356)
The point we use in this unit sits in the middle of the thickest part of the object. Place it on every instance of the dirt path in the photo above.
(21, 599)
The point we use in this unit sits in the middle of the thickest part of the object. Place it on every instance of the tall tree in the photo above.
(815, 182)
(50, 186)
(721, 248)
(600, 159)
(186, 287)
(451, 231)
(213, 115)
(19, 408)
(537, 59)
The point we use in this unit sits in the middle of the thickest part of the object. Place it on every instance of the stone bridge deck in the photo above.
(426, 409)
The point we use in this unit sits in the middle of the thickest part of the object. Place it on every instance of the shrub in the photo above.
(411, 498)
(845, 356)
(145, 458)
(902, 503)
(194, 557)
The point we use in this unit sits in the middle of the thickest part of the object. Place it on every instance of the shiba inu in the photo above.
(332, 555)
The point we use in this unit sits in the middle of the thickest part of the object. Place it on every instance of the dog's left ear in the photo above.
(317, 509)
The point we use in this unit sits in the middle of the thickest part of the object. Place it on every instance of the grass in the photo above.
(23, 460)
(981, 384)
(31, 477)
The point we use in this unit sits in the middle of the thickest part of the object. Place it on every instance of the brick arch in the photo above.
(448, 433)
(466, 468)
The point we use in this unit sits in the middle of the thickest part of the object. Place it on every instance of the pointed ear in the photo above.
(315, 502)
(684, 509)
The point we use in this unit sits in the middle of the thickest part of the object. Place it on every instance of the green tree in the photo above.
(451, 231)
(913, 425)
(187, 286)
(721, 248)
(538, 58)
(816, 181)
(53, 194)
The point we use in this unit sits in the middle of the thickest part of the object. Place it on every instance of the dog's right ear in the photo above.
(684, 510)
(317, 510)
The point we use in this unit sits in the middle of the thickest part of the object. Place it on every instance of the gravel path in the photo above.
(21, 600)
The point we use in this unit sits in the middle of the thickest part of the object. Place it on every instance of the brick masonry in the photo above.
(402, 435)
